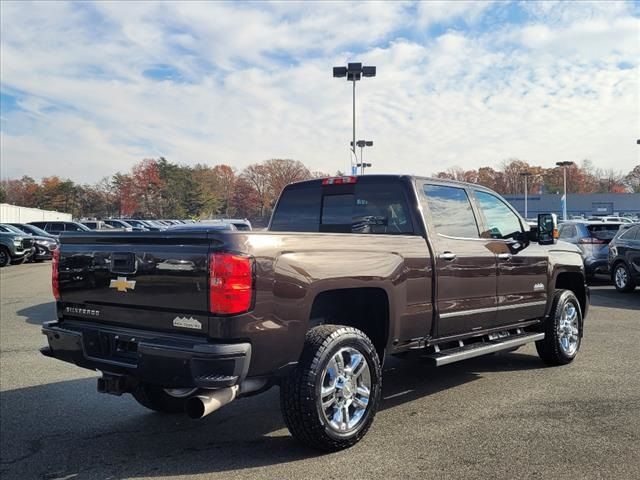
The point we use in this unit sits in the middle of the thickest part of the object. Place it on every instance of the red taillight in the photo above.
(230, 283)
(54, 273)
(339, 180)
(592, 241)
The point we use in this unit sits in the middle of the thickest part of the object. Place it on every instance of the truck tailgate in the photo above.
(149, 280)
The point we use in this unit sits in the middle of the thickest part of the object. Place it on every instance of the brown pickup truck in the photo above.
(350, 269)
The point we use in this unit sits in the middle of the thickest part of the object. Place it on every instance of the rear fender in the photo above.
(300, 278)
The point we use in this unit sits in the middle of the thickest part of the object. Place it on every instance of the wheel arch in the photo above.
(574, 281)
(364, 308)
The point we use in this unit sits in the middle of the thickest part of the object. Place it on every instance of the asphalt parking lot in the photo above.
(504, 416)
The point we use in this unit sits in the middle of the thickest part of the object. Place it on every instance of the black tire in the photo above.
(155, 398)
(300, 391)
(20, 261)
(5, 258)
(623, 283)
(550, 349)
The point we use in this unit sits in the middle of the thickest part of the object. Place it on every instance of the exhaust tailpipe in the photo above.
(207, 402)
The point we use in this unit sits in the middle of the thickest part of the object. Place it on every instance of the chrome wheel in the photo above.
(621, 277)
(345, 390)
(568, 332)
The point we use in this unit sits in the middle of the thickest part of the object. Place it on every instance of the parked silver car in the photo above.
(593, 240)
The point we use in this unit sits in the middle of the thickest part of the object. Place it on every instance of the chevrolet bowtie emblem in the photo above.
(122, 284)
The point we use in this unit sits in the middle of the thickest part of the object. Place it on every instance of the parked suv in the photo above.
(56, 228)
(32, 230)
(28, 242)
(40, 247)
(593, 240)
(12, 249)
(624, 258)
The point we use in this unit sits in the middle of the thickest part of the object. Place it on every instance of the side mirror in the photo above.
(519, 242)
(547, 228)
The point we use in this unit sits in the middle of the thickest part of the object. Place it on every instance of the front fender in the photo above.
(566, 270)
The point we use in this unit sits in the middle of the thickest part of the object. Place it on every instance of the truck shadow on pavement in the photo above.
(38, 314)
(611, 298)
(115, 437)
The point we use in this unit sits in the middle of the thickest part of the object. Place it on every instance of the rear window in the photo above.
(603, 232)
(374, 208)
(298, 210)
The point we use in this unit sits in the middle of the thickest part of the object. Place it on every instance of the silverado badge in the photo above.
(185, 322)
(122, 284)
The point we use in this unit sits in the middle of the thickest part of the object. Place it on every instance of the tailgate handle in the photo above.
(123, 262)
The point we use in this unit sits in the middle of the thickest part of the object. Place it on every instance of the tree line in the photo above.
(158, 188)
(581, 178)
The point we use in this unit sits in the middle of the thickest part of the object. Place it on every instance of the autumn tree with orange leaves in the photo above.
(158, 188)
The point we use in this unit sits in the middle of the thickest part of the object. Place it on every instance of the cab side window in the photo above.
(501, 222)
(451, 211)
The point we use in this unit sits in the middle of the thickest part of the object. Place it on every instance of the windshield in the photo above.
(12, 229)
(33, 229)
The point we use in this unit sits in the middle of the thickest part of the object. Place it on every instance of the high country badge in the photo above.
(185, 322)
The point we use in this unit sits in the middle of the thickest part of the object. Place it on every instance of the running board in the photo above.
(451, 355)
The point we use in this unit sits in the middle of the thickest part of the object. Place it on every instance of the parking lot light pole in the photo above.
(525, 175)
(353, 73)
(362, 144)
(564, 166)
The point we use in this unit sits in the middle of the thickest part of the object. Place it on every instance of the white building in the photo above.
(15, 214)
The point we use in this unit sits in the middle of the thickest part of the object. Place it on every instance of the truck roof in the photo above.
(371, 177)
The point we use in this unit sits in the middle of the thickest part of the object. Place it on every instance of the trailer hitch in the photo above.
(114, 384)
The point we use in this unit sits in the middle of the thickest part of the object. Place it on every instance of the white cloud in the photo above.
(438, 11)
(254, 82)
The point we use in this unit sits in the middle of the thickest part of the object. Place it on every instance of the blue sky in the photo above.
(87, 89)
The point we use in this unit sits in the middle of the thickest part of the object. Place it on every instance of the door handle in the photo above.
(504, 256)
(447, 256)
